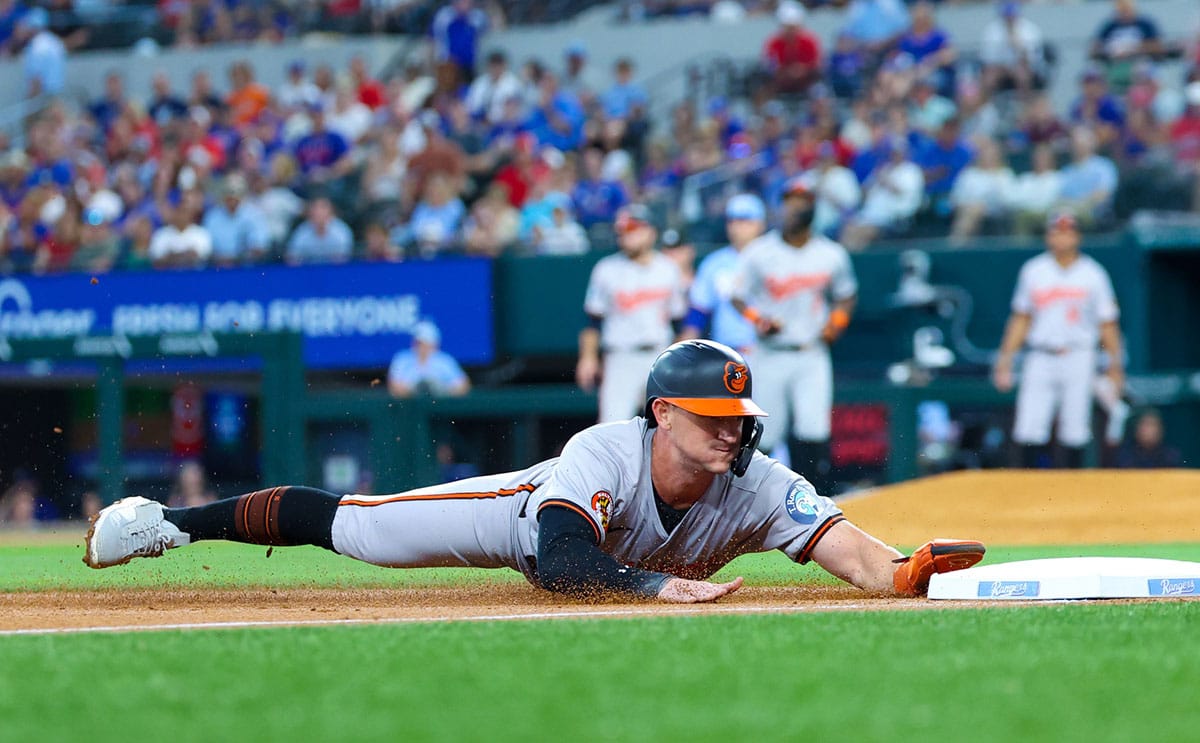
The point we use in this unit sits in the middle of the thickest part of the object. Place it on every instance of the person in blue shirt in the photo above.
(322, 153)
(710, 313)
(1097, 108)
(457, 30)
(322, 238)
(941, 160)
(624, 98)
(425, 369)
(596, 200)
(875, 25)
(557, 117)
(109, 107)
(930, 48)
(238, 228)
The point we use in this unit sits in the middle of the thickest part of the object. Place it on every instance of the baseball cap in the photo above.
(631, 217)
(426, 332)
(1010, 8)
(1061, 220)
(35, 18)
(790, 13)
(799, 185)
(576, 49)
(745, 206)
(296, 65)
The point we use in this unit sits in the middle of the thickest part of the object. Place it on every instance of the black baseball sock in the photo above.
(1032, 455)
(1072, 457)
(282, 516)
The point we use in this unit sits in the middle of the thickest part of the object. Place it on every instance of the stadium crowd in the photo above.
(474, 152)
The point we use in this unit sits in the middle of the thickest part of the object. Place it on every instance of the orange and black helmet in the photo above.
(710, 379)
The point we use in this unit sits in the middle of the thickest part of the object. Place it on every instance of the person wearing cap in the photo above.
(322, 154)
(798, 289)
(710, 312)
(297, 92)
(1097, 108)
(1063, 304)
(596, 199)
(425, 369)
(238, 228)
(487, 93)
(1124, 39)
(633, 302)
(1012, 51)
(894, 192)
(792, 55)
(578, 76)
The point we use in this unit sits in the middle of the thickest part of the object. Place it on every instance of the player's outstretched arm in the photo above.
(682, 591)
(862, 560)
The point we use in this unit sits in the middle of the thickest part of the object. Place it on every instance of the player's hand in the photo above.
(586, 373)
(767, 326)
(1002, 375)
(681, 591)
(939, 556)
(830, 334)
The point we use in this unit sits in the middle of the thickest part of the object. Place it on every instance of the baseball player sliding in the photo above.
(633, 300)
(786, 282)
(647, 507)
(1062, 305)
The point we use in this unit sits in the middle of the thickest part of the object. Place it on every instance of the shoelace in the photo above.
(149, 542)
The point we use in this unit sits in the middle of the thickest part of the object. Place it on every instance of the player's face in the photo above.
(705, 442)
(1062, 241)
(742, 231)
(638, 240)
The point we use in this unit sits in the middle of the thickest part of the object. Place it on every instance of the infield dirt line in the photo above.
(811, 608)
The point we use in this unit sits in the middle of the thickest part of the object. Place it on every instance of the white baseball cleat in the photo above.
(131, 527)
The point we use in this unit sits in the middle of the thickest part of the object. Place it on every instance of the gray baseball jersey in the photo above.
(1066, 305)
(604, 475)
(790, 284)
(637, 301)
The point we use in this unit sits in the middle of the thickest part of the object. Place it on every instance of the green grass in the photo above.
(1079, 672)
(52, 566)
(1087, 672)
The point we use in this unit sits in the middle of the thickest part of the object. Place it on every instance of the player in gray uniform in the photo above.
(647, 507)
(787, 280)
(1063, 304)
(633, 300)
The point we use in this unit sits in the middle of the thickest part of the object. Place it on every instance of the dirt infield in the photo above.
(1000, 508)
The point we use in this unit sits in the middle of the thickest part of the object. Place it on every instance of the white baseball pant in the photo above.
(1053, 383)
(623, 384)
(795, 387)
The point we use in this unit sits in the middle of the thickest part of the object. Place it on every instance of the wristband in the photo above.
(752, 315)
(839, 319)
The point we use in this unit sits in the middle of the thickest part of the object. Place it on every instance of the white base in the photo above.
(1071, 578)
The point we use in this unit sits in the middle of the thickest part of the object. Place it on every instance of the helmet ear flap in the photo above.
(752, 431)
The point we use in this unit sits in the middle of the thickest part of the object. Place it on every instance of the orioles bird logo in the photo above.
(601, 504)
(736, 376)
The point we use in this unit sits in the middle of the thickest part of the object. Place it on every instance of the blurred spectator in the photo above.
(625, 98)
(1041, 126)
(191, 487)
(1088, 182)
(382, 185)
(792, 55)
(1012, 51)
(711, 314)
(836, 189)
(486, 96)
(1124, 39)
(247, 98)
(560, 234)
(271, 195)
(930, 48)
(596, 198)
(557, 118)
(522, 171)
(875, 26)
(99, 247)
(437, 218)
(425, 369)
(378, 245)
(349, 116)
(202, 93)
(578, 78)
(492, 223)
(367, 90)
(165, 107)
(44, 57)
(1036, 192)
(323, 154)
(109, 106)
(181, 243)
(1097, 109)
(297, 92)
(1147, 450)
(322, 238)
(18, 504)
(1184, 137)
(941, 161)
(135, 253)
(437, 156)
(457, 30)
(238, 229)
(929, 111)
(983, 190)
(846, 66)
(893, 195)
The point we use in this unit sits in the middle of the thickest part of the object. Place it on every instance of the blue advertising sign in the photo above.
(351, 316)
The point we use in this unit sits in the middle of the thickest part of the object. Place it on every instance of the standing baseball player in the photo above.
(647, 507)
(634, 299)
(786, 284)
(1062, 305)
(710, 312)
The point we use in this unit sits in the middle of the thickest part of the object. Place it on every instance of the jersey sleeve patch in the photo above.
(602, 507)
(801, 503)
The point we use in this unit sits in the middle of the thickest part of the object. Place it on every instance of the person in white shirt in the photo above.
(349, 117)
(837, 190)
(181, 243)
(1012, 51)
(560, 234)
(297, 92)
(894, 194)
(1035, 192)
(488, 92)
(982, 190)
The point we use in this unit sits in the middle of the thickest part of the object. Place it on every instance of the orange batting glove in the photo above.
(939, 556)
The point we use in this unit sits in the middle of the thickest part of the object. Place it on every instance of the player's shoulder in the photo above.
(824, 244)
(761, 245)
(611, 260)
(718, 259)
(1041, 261)
(620, 441)
(769, 483)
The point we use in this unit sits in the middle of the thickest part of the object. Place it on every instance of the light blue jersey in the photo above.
(709, 296)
